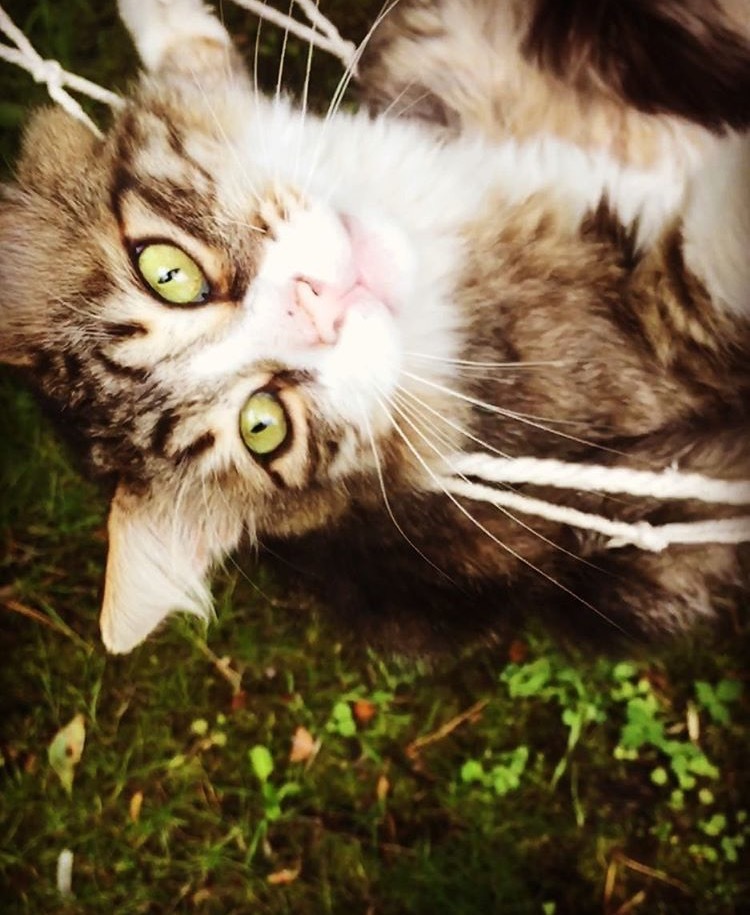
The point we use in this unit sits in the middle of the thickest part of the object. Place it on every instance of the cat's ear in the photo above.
(59, 177)
(158, 563)
(55, 150)
(13, 237)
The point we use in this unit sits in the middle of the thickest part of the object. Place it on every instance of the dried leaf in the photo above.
(65, 751)
(304, 746)
(284, 876)
(518, 651)
(136, 802)
(364, 711)
(65, 872)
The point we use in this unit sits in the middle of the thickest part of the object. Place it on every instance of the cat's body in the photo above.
(396, 298)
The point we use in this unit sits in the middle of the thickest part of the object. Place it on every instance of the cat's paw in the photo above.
(159, 27)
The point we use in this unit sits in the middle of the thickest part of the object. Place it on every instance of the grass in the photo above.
(518, 780)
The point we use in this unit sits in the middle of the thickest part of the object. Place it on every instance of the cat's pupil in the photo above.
(167, 276)
(259, 427)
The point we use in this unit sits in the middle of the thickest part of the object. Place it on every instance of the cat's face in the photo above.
(221, 317)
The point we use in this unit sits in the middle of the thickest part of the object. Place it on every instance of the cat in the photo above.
(260, 325)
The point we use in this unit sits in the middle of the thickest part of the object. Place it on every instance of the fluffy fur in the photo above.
(647, 80)
(402, 295)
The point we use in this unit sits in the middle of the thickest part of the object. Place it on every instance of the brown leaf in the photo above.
(136, 802)
(239, 701)
(304, 746)
(364, 711)
(284, 876)
(518, 651)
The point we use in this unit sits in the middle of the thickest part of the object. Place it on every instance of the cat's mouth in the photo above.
(374, 262)
(326, 308)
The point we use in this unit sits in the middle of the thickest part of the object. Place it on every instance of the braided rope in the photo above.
(52, 74)
(667, 484)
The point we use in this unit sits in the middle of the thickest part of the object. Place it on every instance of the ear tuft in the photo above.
(157, 564)
(54, 147)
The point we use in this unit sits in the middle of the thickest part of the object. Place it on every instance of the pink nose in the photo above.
(324, 306)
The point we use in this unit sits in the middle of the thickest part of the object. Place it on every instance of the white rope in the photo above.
(323, 35)
(641, 534)
(666, 484)
(52, 74)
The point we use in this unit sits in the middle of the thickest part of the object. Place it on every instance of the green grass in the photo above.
(517, 780)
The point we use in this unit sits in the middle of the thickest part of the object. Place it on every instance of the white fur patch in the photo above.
(716, 227)
(158, 25)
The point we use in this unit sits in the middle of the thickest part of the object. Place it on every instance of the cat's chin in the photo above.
(361, 372)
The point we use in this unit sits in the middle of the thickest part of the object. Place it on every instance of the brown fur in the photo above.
(667, 394)
(641, 79)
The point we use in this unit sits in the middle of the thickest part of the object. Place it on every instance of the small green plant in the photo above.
(580, 705)
(504, 775)
(645, 729)
(272, 796)
(342, 720)
(716, 700)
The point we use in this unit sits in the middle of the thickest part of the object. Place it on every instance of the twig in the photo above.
(630, 904)
(52, 74)
(415, 746)
(620, 860)
(56, 625)
(222, 665)
(16, 607)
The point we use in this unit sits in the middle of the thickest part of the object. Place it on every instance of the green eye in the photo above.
(263, 424)
(172, 275)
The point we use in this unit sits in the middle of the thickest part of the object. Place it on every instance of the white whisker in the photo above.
(228, 143)
(440, 435)
(501, 508)
(555, 363)
(340, 90)
(440, 487)
(384, 491)
(305, 95)
(235, 223)
(390, 109)
(453, 425)
(526, 419)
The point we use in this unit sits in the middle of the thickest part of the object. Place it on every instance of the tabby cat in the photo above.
(264, 326)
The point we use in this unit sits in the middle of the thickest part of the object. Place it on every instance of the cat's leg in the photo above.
(653, 595)
(716, 226)
(164, 28)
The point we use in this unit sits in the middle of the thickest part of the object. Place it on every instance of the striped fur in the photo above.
(563, 270)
